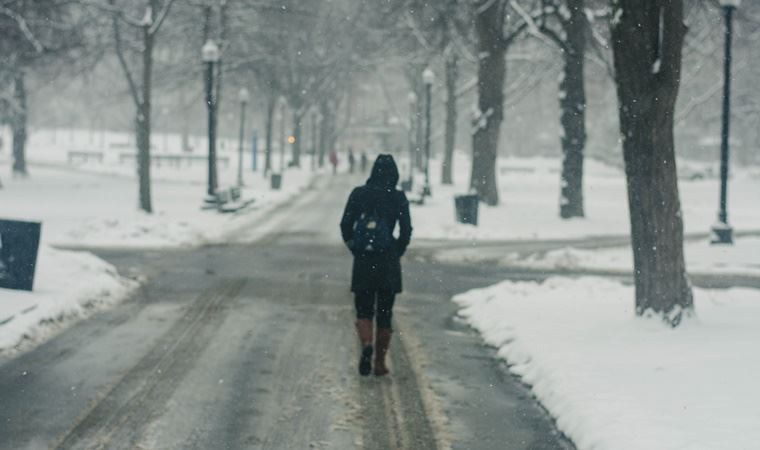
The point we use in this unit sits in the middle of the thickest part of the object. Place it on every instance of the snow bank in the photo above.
(701, 257)
(616, 382)
(68, 285)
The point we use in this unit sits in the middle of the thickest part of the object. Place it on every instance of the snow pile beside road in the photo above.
(701, 257)
(616, 382)
(68, 285)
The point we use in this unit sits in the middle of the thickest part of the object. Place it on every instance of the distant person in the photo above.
(364, 161)
(351, 160)
(367, 228)
(334, 161)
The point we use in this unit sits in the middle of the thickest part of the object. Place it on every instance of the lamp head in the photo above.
(244, 95)
(210, 52)
(428, 77)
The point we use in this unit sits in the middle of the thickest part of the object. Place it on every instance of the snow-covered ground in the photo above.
(95, 204)
(529, 189)
(68, 285)
(616, 382)
(701, 257)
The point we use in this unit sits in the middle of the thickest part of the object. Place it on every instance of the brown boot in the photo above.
(382, 341)
(364, 330)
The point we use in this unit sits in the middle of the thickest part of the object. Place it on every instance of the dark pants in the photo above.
(368, 302)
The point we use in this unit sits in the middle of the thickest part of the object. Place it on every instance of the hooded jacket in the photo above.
(378, 272)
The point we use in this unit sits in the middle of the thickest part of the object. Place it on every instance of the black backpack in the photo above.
(372, 234)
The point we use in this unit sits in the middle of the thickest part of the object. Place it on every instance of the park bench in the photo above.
(81, 156)
(177, 160)
(228, 200)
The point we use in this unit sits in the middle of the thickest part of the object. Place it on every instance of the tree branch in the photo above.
(24, 27)
(122, 59)
(161, 18)
(113, 9)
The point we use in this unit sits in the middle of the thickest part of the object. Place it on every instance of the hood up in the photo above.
(384, 173)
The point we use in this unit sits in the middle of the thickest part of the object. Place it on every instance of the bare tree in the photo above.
(145, 31)
(442, 29)
(564, 23)
(32, 35)
(497, 26)
(648, 38)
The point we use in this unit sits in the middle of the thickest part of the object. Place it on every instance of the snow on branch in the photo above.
(528, 23)
(480, 119)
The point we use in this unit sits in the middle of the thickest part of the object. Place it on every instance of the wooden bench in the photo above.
(174, 160)
(81, 156)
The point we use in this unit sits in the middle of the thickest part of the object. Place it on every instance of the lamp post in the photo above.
(427, 78)
(412, 97)
(722, 233)
(281, 116)
(243, 96)
(165, 117)
(314, 119)
(210, 55)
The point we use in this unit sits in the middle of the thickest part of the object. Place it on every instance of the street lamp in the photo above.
(722, 233)
(412, 97)
(281, 116)
(427, 78)
(314, 120)
(210, 56)
(243, 96)
(165, 117)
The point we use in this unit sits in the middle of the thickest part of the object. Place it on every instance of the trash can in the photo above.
(276, 181)
(19, 243)
(467, 208)
(235, 193)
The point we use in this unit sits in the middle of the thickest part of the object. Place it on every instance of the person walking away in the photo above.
(364, 162)
(367, 228)
(351, 160)
(334, 161)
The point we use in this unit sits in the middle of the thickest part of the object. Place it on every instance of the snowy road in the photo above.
(252, 346)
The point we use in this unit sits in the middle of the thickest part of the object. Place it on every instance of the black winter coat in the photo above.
(378, 271)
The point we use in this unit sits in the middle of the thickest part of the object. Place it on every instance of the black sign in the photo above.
(19, 243)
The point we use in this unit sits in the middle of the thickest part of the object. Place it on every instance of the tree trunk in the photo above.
(489, 26)
(452, 75)
(419, 156)
(18, 125)
(144, 125)
(269, 128)
(296, 149)
(282, 119)
(572, 101)
(647, 45)
(327, 129)
(185, 137)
